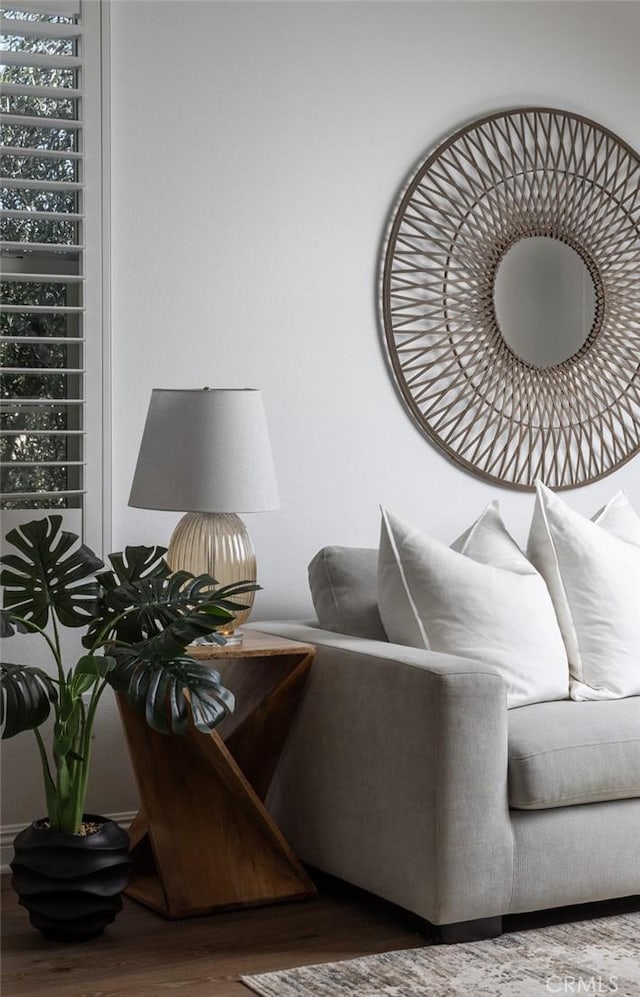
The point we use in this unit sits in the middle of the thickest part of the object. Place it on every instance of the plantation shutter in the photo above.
(44, 229)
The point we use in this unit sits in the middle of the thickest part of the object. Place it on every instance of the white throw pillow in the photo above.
(592, 569)
(619, 518)
(481, 600)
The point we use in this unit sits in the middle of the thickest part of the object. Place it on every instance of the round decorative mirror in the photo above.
(545, 301)
(510, 298)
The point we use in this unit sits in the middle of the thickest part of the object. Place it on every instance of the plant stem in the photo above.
(77, 771)
(49, 784)
(85, 750)
(57, 651)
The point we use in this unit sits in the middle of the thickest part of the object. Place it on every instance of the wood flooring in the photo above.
(142, 953)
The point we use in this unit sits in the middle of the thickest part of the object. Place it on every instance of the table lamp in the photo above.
(207, 453)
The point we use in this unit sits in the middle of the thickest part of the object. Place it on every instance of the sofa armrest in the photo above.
(394, 776)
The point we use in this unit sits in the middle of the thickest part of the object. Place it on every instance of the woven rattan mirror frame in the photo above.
(512, 174)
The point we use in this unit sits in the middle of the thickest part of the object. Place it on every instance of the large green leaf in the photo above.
(134, 563)
(49, 572)
(26, 695)
(156, 689)
(127, 567)
(196, 622)
(169, 610)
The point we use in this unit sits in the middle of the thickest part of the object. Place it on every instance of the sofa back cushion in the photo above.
(343, 582)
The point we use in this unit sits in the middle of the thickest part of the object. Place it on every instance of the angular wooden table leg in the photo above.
(203, 839)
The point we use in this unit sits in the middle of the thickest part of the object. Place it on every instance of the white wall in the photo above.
(257, 151)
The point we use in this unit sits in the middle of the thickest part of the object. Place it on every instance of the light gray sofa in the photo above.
(406, 775)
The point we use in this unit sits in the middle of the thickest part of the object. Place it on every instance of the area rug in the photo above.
(601, 956)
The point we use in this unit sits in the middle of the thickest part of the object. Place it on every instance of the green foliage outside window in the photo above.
(37, 439)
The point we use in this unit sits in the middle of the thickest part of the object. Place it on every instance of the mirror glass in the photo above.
(545, 300)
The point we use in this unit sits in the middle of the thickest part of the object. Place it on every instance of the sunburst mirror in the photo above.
(510, 298)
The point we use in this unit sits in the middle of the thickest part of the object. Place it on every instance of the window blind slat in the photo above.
(39, 278)
(43, 432)
(41, 60)
(16, 183)
(18, 28)
(41, 121)
(31, 90)
(41, 310)
(42, 463)
(13, 496)
(46, 8)
(21, 402)
(45, 216)
(44, 247)
(65, 340)
(43, 371)
(24, 152)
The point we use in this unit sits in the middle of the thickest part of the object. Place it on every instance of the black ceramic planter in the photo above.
(71, 884)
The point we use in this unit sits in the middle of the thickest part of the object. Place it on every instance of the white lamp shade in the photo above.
(205, 450)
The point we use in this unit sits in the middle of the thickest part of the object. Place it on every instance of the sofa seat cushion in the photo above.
(563, 753)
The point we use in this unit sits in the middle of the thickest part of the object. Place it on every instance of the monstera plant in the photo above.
(139, 618)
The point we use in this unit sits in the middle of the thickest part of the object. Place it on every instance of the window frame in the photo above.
(93, 519)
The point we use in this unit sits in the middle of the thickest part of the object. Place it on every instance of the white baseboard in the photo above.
(9, 831)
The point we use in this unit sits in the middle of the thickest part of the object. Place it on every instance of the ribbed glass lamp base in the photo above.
(218, 544)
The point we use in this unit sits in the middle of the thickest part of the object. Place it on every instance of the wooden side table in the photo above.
(203, 839)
